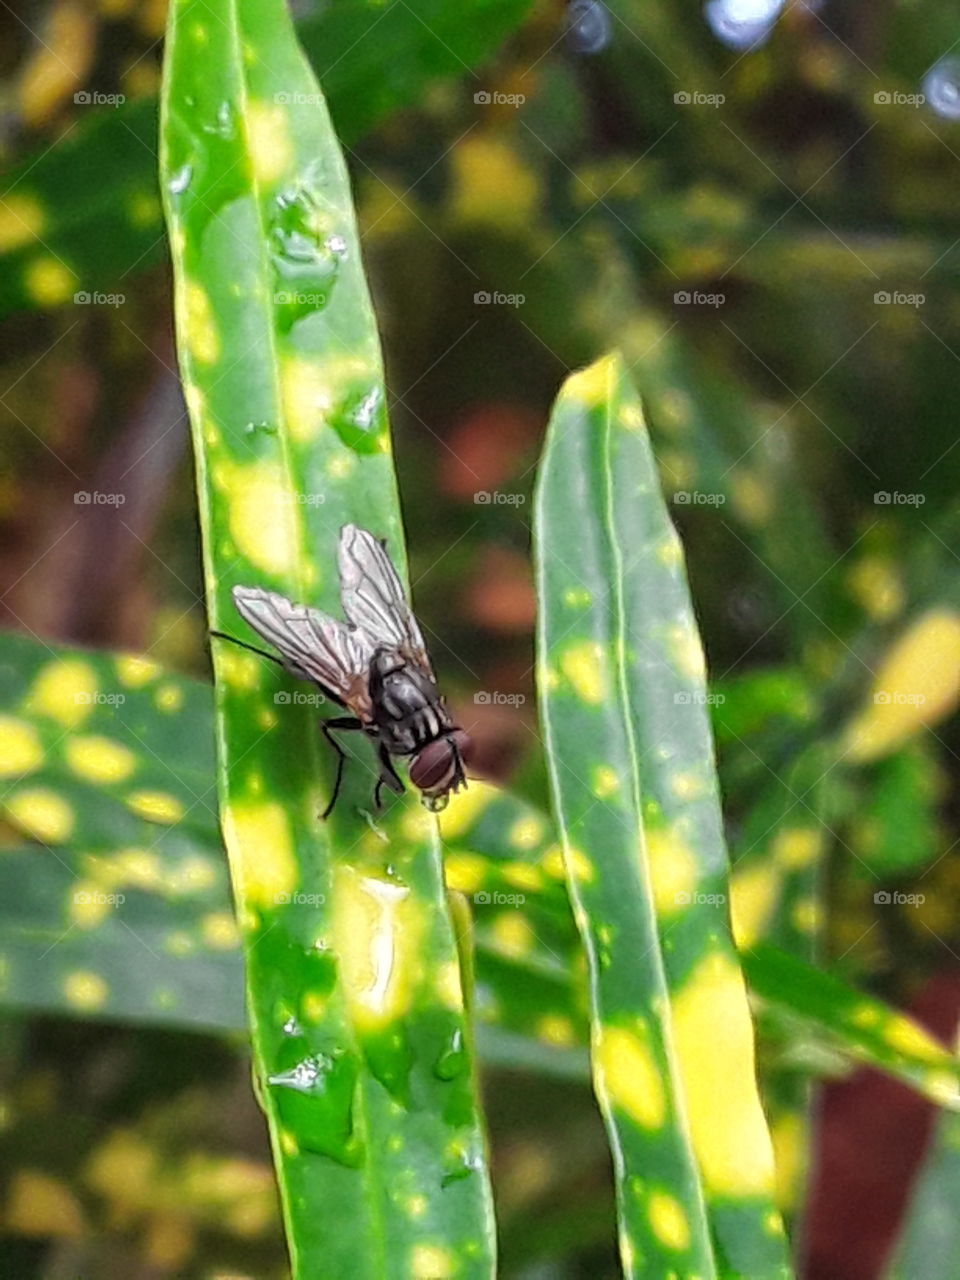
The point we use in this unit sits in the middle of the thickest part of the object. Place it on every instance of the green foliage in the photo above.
(361, 1047)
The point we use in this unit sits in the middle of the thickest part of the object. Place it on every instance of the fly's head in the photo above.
(437, 769)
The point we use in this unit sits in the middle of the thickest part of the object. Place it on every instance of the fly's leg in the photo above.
(347, 724)
(388, 777)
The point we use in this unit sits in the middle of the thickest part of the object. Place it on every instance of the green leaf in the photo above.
(112, 225)
(621, 682)
(359, 1032)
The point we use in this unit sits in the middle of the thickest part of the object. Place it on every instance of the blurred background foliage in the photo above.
(764, 219)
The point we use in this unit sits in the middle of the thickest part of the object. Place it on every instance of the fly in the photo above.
(374, 665)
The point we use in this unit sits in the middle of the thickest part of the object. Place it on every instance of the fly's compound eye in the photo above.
(433, 768)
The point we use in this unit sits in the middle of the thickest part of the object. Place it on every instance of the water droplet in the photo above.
(306, 257)
(589, 28)
(742, 24)
(366, 410)
(460, 1163)
(291, 1028)
(303, 1077)
(453, 1061)
(265, 428)
(180, 180)
(941, 88)
(223, 125)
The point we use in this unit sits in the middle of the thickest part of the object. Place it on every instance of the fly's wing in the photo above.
(312, 645)
(373, 597)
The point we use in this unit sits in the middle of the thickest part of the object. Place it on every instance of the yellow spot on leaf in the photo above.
(630, 416)
(668, 1220)
(48, 282)
(687, 786)
(202, 337)
(288, 1143)
(554, 1028)
(155, 806)
(917, 684)
(169, 697)
(605, 782)
(754, 893)
(595, 385)
(263, 518)
(751, 498)
(465, 808)
(100, 759)
(450, 986)
(85, 990)
(789, 1149)
(522, 875)
(731, 1141)
(39, 1205)
(219, 930)
(64, 690)
(466, 872)
(88, 905)
(795, 848)
(512, 933)
(877, 587)
(627, 1075)
(686, 651)
(909, 1037)
(261, 851)
(431, 1262)
(807, 915)
(673, 870)
(417, 1206)
(492, 184)
(557, 861)
(134, 672)
(583, 666)
(21, 220)
(41, 814)
(669, 552)
(526, 833)
(269, 141)
(377, 927)
(20, 748)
